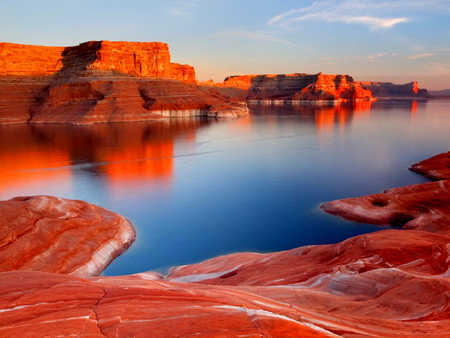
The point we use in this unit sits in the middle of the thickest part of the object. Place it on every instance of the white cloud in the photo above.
(374, 14)
(419, 56)
(254, 35)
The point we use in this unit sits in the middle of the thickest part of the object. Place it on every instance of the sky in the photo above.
(372, 40)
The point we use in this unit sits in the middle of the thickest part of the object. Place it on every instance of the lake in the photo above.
(196, 188)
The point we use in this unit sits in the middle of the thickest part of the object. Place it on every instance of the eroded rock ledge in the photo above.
(101, 81)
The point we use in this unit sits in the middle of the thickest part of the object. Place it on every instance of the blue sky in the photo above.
(378, 40)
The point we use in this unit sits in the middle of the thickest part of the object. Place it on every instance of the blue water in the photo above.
(195, 188)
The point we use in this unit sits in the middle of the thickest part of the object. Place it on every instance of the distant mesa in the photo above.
(445, 93)
(101, 81)
(299, 87)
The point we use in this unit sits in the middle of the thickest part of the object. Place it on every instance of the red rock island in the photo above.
(101, 81)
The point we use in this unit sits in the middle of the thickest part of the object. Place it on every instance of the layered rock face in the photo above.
(101, 81)
(44, 233)
(295, 87)
(390, 90)
(146, 59)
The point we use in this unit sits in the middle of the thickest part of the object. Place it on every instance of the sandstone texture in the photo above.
(101, 81)
(373, 285)
(44, 233)
(49, 305)
(390, 90)
(294, 87)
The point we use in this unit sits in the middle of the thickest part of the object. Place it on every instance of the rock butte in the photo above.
(44, 233)
(101, 81)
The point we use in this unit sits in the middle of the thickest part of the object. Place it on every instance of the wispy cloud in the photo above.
(254, 35)
(185, 8)
(368, 58)
(371, 13)
(419, 56)
(376, 56)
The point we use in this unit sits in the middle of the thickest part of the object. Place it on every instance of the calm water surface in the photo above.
(196, 188)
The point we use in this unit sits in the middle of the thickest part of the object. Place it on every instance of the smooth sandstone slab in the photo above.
(436, 167)
(44, 233)
(421, 206)
(386, 284)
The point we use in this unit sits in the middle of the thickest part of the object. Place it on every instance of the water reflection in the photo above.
(116, 153)
(140, 153)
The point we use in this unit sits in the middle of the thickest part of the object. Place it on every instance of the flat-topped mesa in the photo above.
(93, 58)
(101, 81)
(298, 87)
(391, 90)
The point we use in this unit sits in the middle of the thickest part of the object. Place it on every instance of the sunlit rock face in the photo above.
(44, 233)
(146, 59)
(295, 87)
(391, 90)
(100, 81)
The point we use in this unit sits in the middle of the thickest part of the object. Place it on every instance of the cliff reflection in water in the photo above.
(59, 159)
(33, 156)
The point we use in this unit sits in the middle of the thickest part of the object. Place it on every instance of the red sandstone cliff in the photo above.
(100, 81)
(147, 59)
(294, 87)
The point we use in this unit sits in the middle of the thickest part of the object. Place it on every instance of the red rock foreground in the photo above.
(390, 283)
(101, 81)
(373, 285)
(44, 233)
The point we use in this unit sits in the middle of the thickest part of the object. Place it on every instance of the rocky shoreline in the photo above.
(390, 283)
